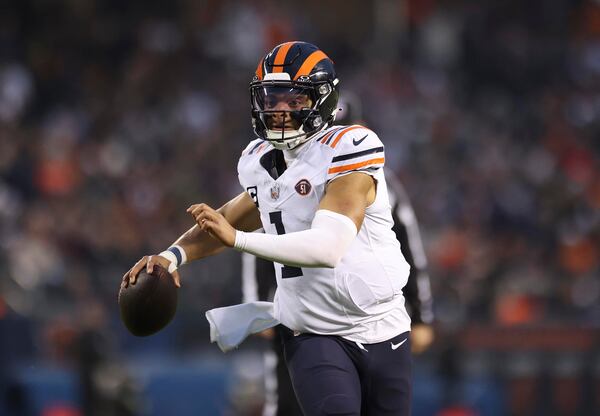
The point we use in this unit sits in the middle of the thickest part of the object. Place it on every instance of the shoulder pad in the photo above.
(357, 148)
(254, 146)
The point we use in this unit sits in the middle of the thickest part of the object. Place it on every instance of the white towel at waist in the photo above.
(230, 325)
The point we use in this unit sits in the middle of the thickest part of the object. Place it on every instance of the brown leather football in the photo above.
(150, 304)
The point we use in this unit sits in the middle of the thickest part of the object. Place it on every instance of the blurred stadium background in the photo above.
(116, 115)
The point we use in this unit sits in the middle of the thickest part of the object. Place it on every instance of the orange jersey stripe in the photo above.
(280, 57)
(327, 136)
(259, 69)
(346, 130)
(310, 62)
(354, 166)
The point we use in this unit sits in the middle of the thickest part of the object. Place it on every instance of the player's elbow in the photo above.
(330, 250)
(329, 259)
(331, 263)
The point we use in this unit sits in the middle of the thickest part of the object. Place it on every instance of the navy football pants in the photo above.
(334, 376)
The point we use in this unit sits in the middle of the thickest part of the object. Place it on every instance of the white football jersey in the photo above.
(361, 298)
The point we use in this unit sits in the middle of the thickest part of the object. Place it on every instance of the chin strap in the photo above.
(286, 138)
(294, 138)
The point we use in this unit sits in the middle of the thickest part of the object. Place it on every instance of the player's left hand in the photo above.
(421, 337)
(212, 222)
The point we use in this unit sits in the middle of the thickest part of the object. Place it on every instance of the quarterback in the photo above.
(319, 193)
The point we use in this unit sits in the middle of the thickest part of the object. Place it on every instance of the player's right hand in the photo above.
(148, 262)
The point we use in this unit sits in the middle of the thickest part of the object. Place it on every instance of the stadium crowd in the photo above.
(116, 116)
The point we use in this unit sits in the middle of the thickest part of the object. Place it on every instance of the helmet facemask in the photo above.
(288, 113)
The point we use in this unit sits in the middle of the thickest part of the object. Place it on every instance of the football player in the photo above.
(320, 194)
(258, 283)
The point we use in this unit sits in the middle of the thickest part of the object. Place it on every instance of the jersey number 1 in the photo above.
(286, 271)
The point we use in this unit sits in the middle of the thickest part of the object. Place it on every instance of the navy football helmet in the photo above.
(294, 94)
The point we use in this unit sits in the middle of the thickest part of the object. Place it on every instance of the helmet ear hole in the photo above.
(324, 89)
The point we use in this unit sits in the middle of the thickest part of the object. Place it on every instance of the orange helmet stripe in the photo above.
(259, 69)
(310, 62)
(280, 57)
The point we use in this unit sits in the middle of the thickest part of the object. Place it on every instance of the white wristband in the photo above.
(172, 260)
(179, 253)
(176, 256)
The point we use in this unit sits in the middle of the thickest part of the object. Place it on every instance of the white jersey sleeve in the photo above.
(356, 149)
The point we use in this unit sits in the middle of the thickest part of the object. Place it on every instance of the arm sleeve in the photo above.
(323, 245)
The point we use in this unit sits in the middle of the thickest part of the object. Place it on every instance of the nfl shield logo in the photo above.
(275, 191)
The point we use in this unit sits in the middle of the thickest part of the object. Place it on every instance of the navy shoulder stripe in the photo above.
(328, 134)
(255, 146)
(357, 154)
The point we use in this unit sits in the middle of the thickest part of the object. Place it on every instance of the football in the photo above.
(150, 304)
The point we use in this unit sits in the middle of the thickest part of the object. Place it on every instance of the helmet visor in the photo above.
(283, 107)
(282, 98)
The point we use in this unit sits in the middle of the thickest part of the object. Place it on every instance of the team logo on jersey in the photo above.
(253, 192)
(275, 192)
(303, 187)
